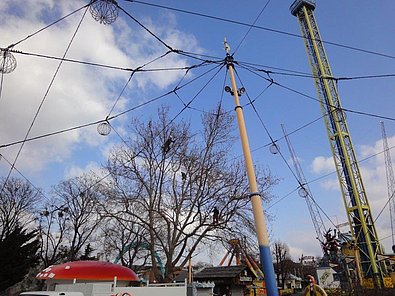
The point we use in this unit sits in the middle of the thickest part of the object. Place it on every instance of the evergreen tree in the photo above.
(88, 253)
(18, 253)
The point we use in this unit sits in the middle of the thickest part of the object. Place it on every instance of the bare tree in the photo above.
(17, 201)
(79, 198)
(126, 242)
(52, 233)
(282, 262)
(170, 182)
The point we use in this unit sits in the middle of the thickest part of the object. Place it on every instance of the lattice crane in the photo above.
(305, 192)
(390, 182)
(354, 195)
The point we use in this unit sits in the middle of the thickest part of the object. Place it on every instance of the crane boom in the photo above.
(311, 204)
(390, 181)
(354, 195)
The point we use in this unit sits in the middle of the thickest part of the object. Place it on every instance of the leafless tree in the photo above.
(169, 182)
(17, 201)
(52, 232)
(125, 242)
(78, 198)
(282, 262)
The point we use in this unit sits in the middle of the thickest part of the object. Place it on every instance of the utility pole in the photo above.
(259, 217)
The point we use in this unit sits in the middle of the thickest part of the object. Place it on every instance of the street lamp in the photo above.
(61, 210)
(240, 91)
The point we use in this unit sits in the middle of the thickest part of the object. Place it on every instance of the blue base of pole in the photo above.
(268, 270)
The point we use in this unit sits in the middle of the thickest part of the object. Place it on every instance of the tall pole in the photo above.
(259, 217)
(190, 271)
(359, 214)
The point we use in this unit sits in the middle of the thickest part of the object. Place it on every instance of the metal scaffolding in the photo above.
(354, 195)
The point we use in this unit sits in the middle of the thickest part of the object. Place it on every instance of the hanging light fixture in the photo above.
(302, 192)
(7, 61)
(104, 11)
(104, 128)
(241, 91)
(274, 149)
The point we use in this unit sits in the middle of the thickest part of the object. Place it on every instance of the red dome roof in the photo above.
(88, 270)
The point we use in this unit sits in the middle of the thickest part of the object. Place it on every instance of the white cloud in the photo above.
(296, 252)
(330, 184)
(374, 178)
(323, 164)
(308, 246)
(79, 94)
(75, 171)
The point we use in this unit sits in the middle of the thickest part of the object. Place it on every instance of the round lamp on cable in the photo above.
(104, 11)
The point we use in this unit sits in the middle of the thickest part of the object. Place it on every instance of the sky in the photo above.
(360, 43)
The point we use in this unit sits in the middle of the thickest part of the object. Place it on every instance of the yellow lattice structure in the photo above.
(352, 188)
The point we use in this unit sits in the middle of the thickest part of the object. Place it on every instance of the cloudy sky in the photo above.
(49, 95)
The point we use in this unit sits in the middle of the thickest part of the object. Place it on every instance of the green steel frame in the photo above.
(352, 188)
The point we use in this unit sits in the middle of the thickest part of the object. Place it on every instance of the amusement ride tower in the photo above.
(353, 191)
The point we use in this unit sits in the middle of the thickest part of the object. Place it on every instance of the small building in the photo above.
(293, 282)
(230, 280)
(87, 272)
(201, 289)
(328, 277)
(95, 278)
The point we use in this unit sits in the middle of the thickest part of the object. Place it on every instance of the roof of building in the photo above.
(181, 276)
(294, 277)
(88, 270)
(220, 272)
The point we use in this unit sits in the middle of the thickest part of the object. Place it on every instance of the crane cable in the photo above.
(170, 122)
(130, 78)
(249, 29)
(47, 26)
(185, 105)
(262, 28)
(103, 120)
(292, 73)
(318, 100)
(281, 154)
(24, 177)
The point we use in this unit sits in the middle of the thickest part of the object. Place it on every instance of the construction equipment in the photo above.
(305, 192)
(390, 181)
(354, 195)
(240, 255)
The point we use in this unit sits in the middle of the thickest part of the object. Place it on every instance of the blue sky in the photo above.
(82, 94)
